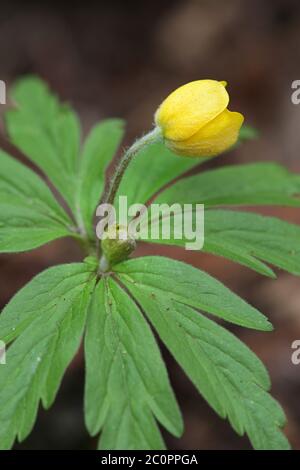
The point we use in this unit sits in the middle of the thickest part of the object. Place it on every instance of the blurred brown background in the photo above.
(120, 58)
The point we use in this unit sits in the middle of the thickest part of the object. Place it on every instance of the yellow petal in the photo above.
(217, 136)
(191, 107)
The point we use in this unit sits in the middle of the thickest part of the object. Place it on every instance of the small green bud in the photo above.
(117, 244)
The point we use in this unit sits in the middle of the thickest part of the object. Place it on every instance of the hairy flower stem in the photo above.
(153, 136)
(150, 138)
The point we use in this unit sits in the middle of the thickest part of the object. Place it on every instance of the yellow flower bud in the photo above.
(195, 121)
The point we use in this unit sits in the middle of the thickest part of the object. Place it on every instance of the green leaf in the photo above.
(248, 238)
(48, 291)
(99, 149)
(47, 319)
(248, 133)
(23, 229)
(228, 375)
(29, 214)
(190, 286)
(126, 382)
(47, 132)
(254, 184)
(220, 247)
(150, 170)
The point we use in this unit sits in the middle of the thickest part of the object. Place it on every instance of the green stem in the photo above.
(150, 138)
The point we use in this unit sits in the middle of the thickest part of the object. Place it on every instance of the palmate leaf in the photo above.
(190, 286)
(126, 380)
(246, 238)
(45, 321)
(22, 229)
(250, 184)
(29, 213)
(48, 133)
(228, 375)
